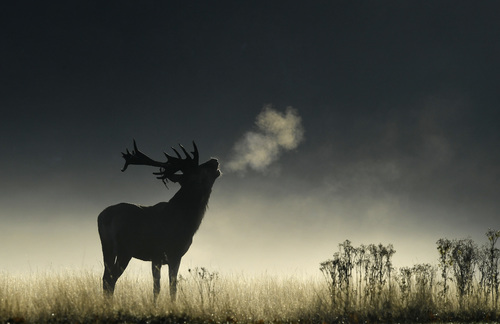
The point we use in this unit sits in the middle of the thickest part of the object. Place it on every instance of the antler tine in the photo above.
(161, 175)
(127, 156)
(188, 156)
(195, 154)
(135, 146)
(177, 153)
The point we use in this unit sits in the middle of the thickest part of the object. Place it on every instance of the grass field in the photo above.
(359, 285)
(203, 296)
(206, 297)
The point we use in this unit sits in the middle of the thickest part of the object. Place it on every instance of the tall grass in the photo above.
(358, 285)
(203, 296)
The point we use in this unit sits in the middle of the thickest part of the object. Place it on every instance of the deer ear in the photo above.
(175, 177)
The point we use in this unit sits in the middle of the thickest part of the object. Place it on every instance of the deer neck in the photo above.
(193, 202)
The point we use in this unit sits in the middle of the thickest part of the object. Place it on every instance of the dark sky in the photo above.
(399, 104)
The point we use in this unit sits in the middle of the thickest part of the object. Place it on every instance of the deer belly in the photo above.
(150, 255)
(161, 252)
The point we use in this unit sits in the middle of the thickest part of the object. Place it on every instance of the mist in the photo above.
(275, 133)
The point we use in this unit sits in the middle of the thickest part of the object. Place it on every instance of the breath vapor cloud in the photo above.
(275, 133)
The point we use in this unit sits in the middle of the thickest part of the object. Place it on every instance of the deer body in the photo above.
(161, 233)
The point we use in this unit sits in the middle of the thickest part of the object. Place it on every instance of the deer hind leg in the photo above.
(156, 269)
(120, 265)
(108, 284)
(107, 279)
(173, 268)
(112, 271)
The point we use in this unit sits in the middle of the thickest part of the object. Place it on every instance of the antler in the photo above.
(139, 158)
(169, 168)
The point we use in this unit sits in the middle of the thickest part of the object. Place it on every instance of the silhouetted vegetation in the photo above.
(463, 287)
(358, 285)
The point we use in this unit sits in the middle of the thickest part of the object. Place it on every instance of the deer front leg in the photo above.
(156, 268)
(173, 268)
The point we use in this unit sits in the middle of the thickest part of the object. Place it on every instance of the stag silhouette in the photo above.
(161, 233)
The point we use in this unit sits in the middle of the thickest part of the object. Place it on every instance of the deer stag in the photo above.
(161, 233)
